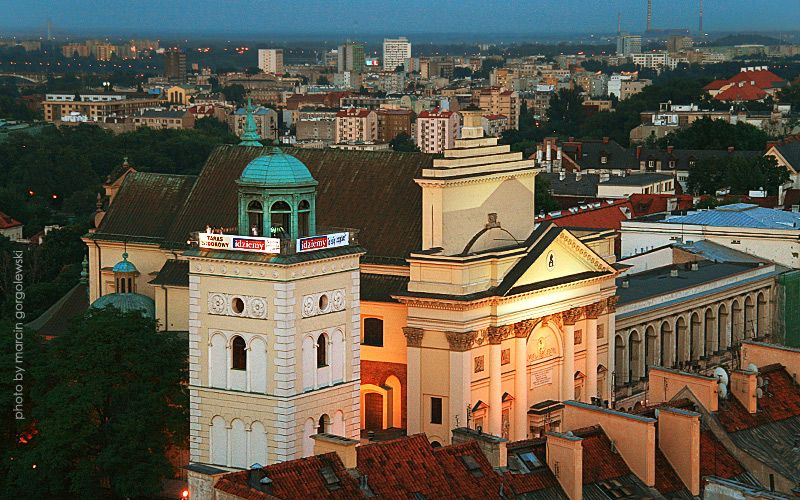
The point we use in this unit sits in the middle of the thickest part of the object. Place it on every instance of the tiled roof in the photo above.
(716, 85)
(607, 216)
(541, 482)
(740, 215)
(436, 113)
(173, 273)
(570, 186)
(764, 79)
(646, 204)
(56, 319)
(592, 152)
(7, 222)
(353, 113)
(715, 460)
(683, 157)
(781, 401)
(464, 483)
(744, 93)
(156, 113)
(145, 206)
(299, 479)
(667, 480)
(642, 179)
(599, 462)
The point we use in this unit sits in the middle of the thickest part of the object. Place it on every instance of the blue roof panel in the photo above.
(743, 215)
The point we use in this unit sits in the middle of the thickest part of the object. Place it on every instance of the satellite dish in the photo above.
(721, 375)
(723, 391)
(759, 393)
(752, 368)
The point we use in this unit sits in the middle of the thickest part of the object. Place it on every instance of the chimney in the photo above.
(549, 153)
(258, 479)
(730, 149)
(605, 140)
(342, 446)
(744, 387)
(493, 447)
(558, 153)
(562, 175)
(638, 152)
(679, 440)
(694, 266)
(669, 149)
(565, 460)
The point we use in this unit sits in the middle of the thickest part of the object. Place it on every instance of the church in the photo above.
(349, 291)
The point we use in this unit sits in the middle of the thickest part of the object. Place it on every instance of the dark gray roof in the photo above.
(592, 152)
(56, 319)
(636, 179)
(381, 287)
(659, 282)
(173, 273)
(569, 186)
(772, 444)
(683, 157)
(791, 152)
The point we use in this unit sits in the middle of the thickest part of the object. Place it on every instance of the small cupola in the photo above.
(250, 135)
(277, 197)
(125, 274)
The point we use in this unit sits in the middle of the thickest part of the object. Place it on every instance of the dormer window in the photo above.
(672, 164)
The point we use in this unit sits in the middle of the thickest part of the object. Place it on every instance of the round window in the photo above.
(237, 305)
(323, 302)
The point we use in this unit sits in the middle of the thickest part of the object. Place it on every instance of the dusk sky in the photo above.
(389, 17)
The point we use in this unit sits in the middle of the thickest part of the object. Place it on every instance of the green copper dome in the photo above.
(127, 302)
(276, 169)
(124, 266)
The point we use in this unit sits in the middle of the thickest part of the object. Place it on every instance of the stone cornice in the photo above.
(413, 336)
(611, 303)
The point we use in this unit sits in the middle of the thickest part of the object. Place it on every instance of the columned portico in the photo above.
(592, 312)
(569, 318)
(414, 360)
(495, 336)
(521, 332)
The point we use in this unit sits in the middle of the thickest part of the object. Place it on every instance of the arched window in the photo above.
(324, 424)
(280, 219)
(322, 350)
(373, 332)
(255, 218)
(239, 354)
(303, 219)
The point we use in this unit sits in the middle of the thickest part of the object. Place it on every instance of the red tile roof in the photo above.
(538, 480)
(764, 79)
(646, 204)
(667, 480)
(605, 217)
(353, 113)
(295, 479)
(599, 462)
(495, 117)
(781, 401)
(7, 222)
(462, 482)
(436, 113)
(715, 460)
(716, 85)
(746, 92)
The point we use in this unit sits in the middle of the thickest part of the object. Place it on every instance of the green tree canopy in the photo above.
(235, 93)
(707, 133)
(403, 142)
(109, 399)
(739, 174)
(566, 111)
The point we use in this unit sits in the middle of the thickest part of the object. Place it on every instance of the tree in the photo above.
(403, 142)
(739, 174)
(323, 80)
(566, 111)
(543, 200)
(108, 401)
(235, 93)
(707, 133)
(461, 72)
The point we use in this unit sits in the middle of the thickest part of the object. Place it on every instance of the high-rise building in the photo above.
(678, 43)
(175, 64)
(395, 52)
(351, 57)
(629, 44)
(437, 130)
(270, 60)
(498, 101)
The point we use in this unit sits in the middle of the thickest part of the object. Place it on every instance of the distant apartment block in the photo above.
(270, 60)
(496, 101)
(95, 107)
(266, 122)
(437, 130)
(395, 52)
(356, 124)
(629, 44)
(175, 64)
(393, 122)
(164, 119)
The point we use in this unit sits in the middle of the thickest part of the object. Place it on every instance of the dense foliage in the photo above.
(717, 134)
(109, 400)
(739, 174)
(46, 176)
(403, 142)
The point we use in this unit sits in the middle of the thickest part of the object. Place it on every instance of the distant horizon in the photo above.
(476, 20)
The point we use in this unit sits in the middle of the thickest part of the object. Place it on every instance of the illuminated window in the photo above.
(239, 354)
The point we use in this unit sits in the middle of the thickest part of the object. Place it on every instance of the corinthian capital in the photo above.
(413, 336)
(523, 328)
(571, 316)
(459, 341)
(592, 311)
(611, 303)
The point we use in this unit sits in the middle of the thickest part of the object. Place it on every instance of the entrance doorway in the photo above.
(373, 411)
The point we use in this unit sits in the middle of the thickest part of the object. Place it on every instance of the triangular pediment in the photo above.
(557, 257)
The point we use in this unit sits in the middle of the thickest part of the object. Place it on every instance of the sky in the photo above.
(389, 17)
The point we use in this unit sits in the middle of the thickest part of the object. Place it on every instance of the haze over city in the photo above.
(467, 18)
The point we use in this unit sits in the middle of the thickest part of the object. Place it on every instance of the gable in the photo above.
(557, 257)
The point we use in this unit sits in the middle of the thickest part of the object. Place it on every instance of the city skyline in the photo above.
(449, 17)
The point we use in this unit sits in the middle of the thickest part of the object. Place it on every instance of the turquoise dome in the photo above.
(127, 302)
(124, 266)
(276, 169)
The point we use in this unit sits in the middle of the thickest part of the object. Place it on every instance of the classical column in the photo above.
(460, 376)
(521, 332)
(592, 311)
(611, 335)
(495, 336)
(414, 390)
(569, 318)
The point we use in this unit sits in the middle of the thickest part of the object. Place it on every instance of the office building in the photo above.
(395, 52)
(270, 60)
(629, 44)
(351, 57)
(175, 64)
